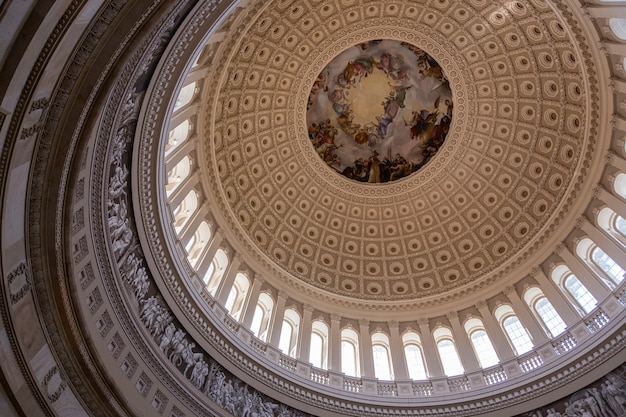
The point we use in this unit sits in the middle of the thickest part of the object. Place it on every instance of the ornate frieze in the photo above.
(19, 282)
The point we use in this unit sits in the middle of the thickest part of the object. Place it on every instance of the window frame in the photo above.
(486, 359)
(380, 340)
(350, 336)
(322, 333)
(444, 335)
(505, 313)
(412, 338)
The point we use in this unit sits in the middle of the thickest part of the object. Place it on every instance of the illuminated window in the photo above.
(545, 311)
(350, 353)
(481, 343)
(185, 96)
(414, 356)
(608, 265)
(514, 330)
(573, 289)
(620, 225)
(447, 352)
(318, 354)
(289, 332)
(382, 356)
(214, 275)
(580, 293)
(185, 209)
(549, 316)
(619, 185)
(237, 295)
(262, 315)
(177, 175)
(177, 136)
(602, 264)
(618, 26)
(613, 225)
(197, 244)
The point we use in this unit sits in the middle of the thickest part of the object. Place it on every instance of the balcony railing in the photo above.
(529, 362)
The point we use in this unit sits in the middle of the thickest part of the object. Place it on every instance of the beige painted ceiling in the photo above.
(491, 198)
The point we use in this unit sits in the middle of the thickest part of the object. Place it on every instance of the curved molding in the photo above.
(107, 307)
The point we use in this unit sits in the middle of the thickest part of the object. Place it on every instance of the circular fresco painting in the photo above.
(379, 111)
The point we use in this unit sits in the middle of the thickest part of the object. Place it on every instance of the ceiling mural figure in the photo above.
(194, 220)
(379, 111)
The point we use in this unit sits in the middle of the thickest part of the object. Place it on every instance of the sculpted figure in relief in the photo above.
(204, 373)
(604, 407)
(618, 398)
(166, 338)
(118, 184)
(149, 310)
(199, 373)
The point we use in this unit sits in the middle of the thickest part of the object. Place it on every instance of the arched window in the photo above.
(613, 224)
(381, 351)
(185, 95)
(608, 265)
(619, 185)
(414, 356)
(237, 295)
(177, 136)
(185, 209)
(618, 26)
(318, 353)
(350, 353)
(580, 293)
(216, 271)
(575, 291)
(177, 175)
(197, 243)
(289, 332)
(447, 352)
(599, 261)
(199, 59)
(543, 308)
(262, 315)
(514, 330)
(620, 225)
(549, 316)
(481, 343)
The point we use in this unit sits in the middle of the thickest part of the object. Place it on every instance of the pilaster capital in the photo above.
(558, 249)
(422, 322)
(364, 323)
(508, 290)
(596, 191)
(452, 315)
(480, 305)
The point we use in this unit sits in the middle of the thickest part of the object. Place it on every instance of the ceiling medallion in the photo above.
(379, 111)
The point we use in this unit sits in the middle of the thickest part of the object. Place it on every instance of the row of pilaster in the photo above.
(589, 277)
(432, 360)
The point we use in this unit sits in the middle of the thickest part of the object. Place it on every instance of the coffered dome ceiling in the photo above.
(391, 174)
(522, 91)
